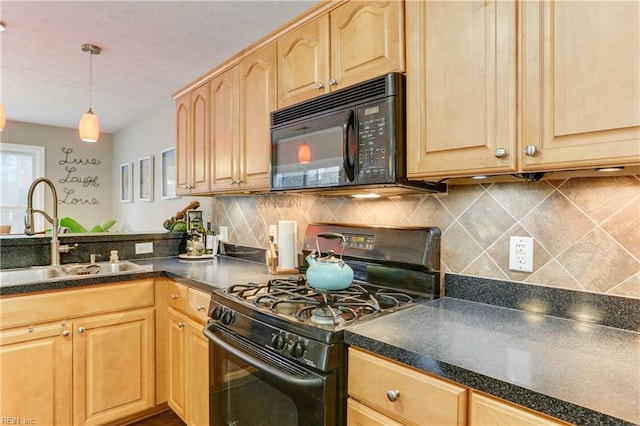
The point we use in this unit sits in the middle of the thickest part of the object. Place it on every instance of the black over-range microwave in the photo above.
(349, 140)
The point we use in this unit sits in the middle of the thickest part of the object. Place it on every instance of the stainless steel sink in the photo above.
(10, 277)
(121, 266)
(100, 268)
(18, 276)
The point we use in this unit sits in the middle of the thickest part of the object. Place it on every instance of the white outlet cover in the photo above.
(521, 254)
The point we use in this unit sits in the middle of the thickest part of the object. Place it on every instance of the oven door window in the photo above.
(252, 387)
(315, 153)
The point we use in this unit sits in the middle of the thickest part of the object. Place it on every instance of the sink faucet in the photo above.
(28, 220)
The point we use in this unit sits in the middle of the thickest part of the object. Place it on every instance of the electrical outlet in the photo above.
(521, 254)
(223, 234)
(144, 248)
(273, 232)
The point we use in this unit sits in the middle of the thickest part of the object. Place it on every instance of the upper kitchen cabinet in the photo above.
(242, 99)
(225, 129)
(193, 141)
(461, 88)
(580, 84)
(356, 41)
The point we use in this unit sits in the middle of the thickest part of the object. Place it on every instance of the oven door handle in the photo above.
(312, 382)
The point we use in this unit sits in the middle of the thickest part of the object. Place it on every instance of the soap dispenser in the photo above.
(113, 256)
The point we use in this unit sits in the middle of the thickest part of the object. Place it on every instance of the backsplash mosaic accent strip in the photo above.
(586, 230)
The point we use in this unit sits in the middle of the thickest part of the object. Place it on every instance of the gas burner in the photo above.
(326, 316)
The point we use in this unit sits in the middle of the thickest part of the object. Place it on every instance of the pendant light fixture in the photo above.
(89, 128)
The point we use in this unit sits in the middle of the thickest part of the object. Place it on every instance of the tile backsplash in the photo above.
(586, 230)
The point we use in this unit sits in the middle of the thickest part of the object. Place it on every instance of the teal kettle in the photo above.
(329, 272)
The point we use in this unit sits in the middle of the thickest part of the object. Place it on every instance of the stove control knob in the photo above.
(216, 314)
(298, 348)
(228, 317)
(278, 341)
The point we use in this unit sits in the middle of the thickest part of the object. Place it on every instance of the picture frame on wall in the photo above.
(168, 173)
(126, 183)
(145, 178)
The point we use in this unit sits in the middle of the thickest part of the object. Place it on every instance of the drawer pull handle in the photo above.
(393, 395)
(181, 324)
(199, 308)
(174, 296)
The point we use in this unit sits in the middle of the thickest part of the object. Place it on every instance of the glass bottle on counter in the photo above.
(209, 237)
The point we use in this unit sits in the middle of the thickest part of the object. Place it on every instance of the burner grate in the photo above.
(294, 297)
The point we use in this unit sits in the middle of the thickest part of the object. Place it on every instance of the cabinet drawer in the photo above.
(361, 415)
(489, 411)
(198, 305)
(423, 399)
(65, 304)
(178, 296)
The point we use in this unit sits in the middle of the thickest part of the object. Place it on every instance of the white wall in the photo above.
(82, 176)
(147, 136)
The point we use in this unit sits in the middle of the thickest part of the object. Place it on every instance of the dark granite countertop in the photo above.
(583, 373)
(219, 272)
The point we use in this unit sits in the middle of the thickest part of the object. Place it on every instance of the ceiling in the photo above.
(150, 49)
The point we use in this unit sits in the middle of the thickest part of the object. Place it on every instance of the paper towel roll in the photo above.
(287, 244)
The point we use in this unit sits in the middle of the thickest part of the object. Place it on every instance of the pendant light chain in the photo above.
(90, 80)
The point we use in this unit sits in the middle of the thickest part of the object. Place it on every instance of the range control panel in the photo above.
(360, 241)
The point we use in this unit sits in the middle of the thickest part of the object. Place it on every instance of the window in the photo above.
(20, 165)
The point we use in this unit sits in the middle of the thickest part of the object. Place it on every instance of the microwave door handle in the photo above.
(312, 382)
(348, 129)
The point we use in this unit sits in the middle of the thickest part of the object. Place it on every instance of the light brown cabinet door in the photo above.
(36, 374)
(183, 140)
(257, 99)
(488, 411)
(201, 157)
(461, 88)
(177, 343)
(580, 84)
(367, 40)
(225, 130)
(303, 62)
(113, 366)
(193, 142)
(197, 376)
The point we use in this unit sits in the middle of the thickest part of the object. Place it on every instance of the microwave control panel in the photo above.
(373, 145)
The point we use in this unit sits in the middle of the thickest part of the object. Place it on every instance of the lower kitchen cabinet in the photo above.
(36, 375)
(188, 349)
(385, 392)
(82, 357)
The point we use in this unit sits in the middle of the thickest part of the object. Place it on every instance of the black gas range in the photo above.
(283, 335)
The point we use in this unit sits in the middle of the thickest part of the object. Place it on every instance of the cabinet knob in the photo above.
(501, 153)
(65, 333)
(199, 308)
(180, 324)
(81, 330)
(393, 395)
(530, 150)
(187, 187)
(319, 86)
(174, 296)
(333, 82)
